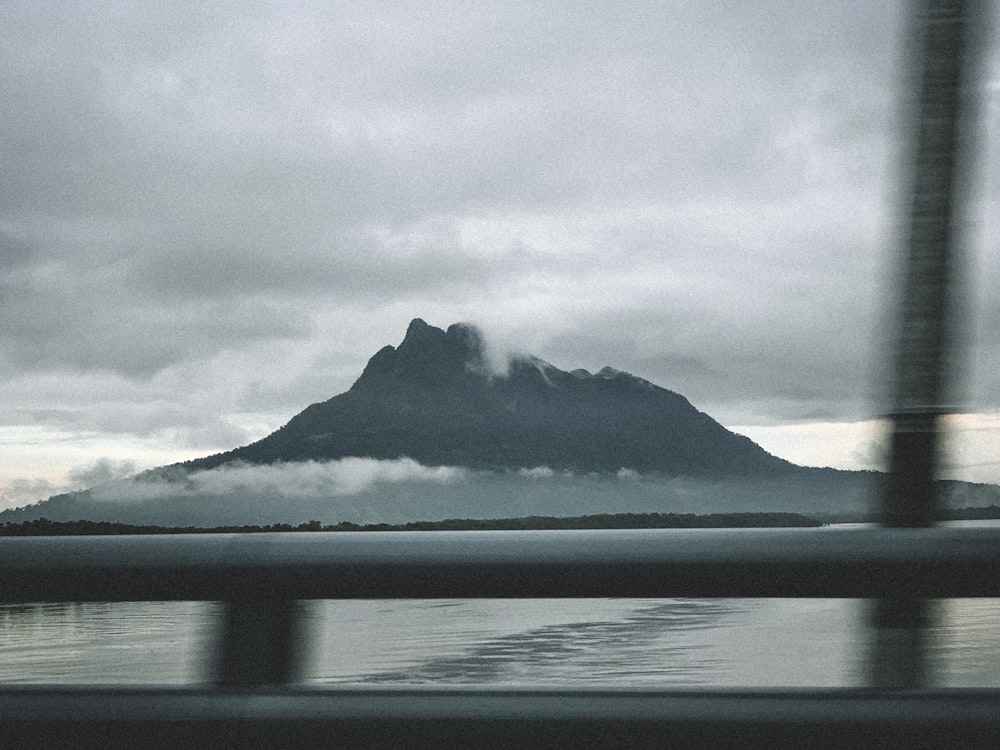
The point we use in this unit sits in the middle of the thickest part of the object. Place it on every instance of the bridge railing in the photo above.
(252, 698)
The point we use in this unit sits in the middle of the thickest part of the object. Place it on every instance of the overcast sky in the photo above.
(213, 214)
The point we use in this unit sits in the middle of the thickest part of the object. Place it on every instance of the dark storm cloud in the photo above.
(61, 314)
(396, 113)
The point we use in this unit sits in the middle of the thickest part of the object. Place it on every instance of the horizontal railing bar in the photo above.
(862, 562)
(478, 717)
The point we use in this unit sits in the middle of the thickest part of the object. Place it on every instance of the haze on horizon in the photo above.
(214, 215)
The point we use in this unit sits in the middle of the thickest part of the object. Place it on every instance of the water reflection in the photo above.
(693, 642)
(967, 643)
(537, 641)
(678, 642)
(104, 642)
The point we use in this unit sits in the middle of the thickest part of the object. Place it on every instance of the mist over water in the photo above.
(366, 490)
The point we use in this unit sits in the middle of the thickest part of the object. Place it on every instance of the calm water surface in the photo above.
(698, 642)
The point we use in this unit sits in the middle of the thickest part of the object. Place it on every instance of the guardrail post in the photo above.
(261, 643)
(925, 317)
(899, 654)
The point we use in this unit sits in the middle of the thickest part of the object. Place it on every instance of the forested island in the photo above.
(45, 527)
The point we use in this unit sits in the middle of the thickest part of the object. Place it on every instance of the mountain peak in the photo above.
(417, 326)
(428, 355)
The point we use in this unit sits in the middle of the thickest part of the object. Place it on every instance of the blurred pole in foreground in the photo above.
(900, 625)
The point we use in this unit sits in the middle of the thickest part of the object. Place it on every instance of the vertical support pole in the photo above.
(900, 625)
(261, 643)
(925, 317)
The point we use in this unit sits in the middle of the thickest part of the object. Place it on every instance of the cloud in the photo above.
(102, 472)
(347, 476)
(312, 479)
(253, 160)
(398, 491)
(537, 472)
(215, 210)
(18, 491)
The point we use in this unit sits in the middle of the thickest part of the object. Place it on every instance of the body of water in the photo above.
(667, 642)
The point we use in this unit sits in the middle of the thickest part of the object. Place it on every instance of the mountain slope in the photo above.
(428, 432)
(434, 399)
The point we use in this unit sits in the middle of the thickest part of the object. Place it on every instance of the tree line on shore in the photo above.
(45, 527)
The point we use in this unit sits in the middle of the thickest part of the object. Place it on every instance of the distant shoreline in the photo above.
(746, 520)
(44, 527)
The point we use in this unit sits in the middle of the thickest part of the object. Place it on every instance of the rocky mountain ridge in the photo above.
(435, 399)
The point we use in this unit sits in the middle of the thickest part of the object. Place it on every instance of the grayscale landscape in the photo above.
(431, 431)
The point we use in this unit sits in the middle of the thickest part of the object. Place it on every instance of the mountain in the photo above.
(435, 399)
(430, 431)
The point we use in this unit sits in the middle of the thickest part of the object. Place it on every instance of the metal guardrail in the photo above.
(254, 702)
(863, 562)
(476, 718)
